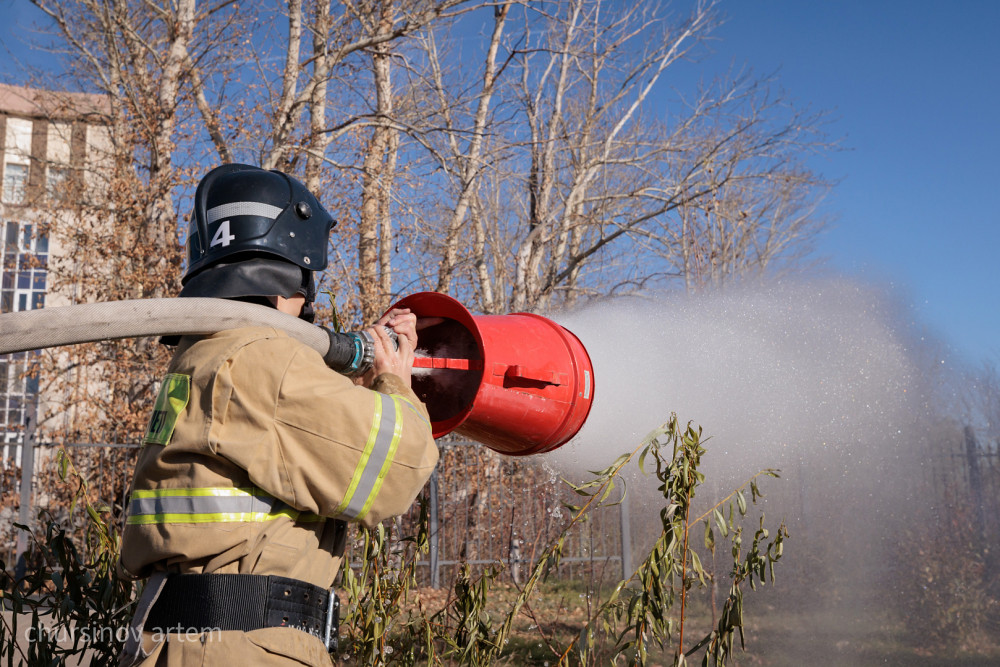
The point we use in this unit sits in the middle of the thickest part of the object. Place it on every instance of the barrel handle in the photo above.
(537, 375)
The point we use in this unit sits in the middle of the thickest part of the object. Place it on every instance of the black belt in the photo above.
(244, 602)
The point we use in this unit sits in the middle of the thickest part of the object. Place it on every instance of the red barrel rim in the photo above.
(436, 304)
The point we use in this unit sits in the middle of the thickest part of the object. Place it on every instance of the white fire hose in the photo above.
(348, 353)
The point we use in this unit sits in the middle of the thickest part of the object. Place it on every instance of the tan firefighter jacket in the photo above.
(254, 451)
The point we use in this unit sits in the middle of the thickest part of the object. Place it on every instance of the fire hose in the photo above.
(349, 353)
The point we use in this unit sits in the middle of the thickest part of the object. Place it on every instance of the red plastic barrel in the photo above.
(520, 384)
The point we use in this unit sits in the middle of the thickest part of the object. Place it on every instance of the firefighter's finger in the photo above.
(382, 347)
(378, 345)
(403, 344)
(399, 346)
(389, 358)
(407, 342)
(383, 341)
(405, 326)
(387, 319)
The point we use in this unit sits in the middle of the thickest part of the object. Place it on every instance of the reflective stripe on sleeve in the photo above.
(380, 449)
(412, 407)
(209, 505)
(397, 431)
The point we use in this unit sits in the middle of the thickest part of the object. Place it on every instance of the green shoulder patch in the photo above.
(170, 402)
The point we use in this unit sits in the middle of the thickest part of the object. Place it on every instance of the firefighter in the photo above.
(257, 455)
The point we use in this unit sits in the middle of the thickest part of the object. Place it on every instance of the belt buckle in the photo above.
(331, 633)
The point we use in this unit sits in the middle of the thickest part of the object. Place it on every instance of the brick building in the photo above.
(51, 143)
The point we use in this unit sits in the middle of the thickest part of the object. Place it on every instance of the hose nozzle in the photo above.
(353, 353)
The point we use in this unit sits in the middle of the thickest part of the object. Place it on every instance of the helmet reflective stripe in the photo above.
(209, 505)
(380, 450)
(233, 209)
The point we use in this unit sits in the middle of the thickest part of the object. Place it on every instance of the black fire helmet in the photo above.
(254, 233)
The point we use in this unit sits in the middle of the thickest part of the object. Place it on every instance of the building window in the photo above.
(56, 182)
(24, 258)
(15, 178)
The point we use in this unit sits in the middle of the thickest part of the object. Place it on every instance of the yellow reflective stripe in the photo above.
(365, 455)
(225, 517)
(397, 433)
(412, 407)
(202, 491)
(219, 517)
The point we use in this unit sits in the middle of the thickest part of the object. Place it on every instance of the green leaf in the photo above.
(607, 491)
(696, 566)
(642, 459)
(63, 465)
(721, 522)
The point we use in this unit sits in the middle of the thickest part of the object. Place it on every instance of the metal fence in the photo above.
(487, 508)
(31, 487)
(965, 480)
(484, 509)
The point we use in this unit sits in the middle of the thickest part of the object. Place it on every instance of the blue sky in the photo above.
(914, 91)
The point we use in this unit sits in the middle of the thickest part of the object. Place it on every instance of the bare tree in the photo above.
(536, 172)
(575, 183)
(135, 55)
(977, 397)
(356, 152)
(121, 239)
(545, 163)
(375, 224)
(755, 213)
(465, 163)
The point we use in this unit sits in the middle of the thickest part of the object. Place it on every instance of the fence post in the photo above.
(626, 535)
(972, 454)
(433, 537)
(27, 473)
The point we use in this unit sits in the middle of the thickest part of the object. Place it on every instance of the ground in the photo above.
(827, 636)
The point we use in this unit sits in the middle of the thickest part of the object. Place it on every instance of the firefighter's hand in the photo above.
(404, 323)
(388, 359)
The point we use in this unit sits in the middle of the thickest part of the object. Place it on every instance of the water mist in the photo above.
(819, 380)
